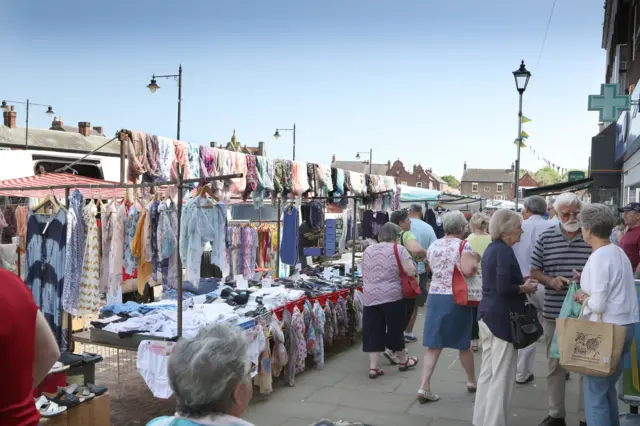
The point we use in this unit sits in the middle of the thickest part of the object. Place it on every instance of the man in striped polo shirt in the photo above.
(559, 256)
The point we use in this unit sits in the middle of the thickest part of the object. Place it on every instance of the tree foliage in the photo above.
(451, 181)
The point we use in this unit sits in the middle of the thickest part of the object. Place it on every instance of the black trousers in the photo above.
(383, 326)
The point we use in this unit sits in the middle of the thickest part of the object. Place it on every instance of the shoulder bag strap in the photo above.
(400, 268)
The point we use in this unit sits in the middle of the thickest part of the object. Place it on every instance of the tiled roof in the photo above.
(56, 139)
(487, 175)
(361, 167)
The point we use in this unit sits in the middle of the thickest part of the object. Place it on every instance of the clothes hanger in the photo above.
(49, 200)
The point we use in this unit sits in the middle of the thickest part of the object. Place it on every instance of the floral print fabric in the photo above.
(443, 255)
(130, 261)
(297, 322)
(74, 253)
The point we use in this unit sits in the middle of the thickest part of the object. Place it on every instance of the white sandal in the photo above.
(48, 408)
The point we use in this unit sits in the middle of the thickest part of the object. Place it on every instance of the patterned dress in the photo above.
(116, 255)
(130, 261)
(74, 253)
(89, 299)
(297, 322)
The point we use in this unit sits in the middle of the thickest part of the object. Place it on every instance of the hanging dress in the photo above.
(289, 245)
(89, 298)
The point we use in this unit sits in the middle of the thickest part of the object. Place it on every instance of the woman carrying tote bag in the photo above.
(607, 287)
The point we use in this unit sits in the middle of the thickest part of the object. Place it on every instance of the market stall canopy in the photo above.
(503, 204)
(559, 188)
(409, 194)
(39, 186)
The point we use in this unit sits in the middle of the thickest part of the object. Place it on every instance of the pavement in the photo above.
(343, 391)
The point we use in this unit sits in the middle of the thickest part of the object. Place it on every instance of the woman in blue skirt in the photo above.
(447, 324)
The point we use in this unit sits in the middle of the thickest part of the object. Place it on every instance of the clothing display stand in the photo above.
(181, 183)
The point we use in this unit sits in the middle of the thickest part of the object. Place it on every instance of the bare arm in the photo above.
(46, 350)
(469, 263)
(541, 277)
(416, 249)
(409, 267)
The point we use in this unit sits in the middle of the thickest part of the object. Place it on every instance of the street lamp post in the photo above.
(277, 135)
(521, 76)
(370, 157)
(6, 107)
(153, 86)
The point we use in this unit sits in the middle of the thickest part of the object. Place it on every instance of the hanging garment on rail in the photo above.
(44, 266)
(155, 257)
(300, 179)
(74, 253)
(252, 177)
(372, 222)
(193, 152)
(289, 244)
(89, 297)
(116, 254)
(11, 227)
(167, 244)
(207, 162)
(151, 164)
(131, 224)
(166, 157)
(136, 155)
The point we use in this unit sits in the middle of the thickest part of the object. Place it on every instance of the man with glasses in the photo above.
(630, 241)
(559, 256)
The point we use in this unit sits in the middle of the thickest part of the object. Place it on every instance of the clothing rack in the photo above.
(179, 183)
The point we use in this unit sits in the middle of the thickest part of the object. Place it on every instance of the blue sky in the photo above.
(425, 81)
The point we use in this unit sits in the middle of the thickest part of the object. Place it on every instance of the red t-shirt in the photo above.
(630, 243)
(17, 346)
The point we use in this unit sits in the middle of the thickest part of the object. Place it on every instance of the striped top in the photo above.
(557, 256)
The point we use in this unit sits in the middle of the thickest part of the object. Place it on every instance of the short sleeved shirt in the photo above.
(630, 243)
(17, 341)
(381, 275)
(557, 256)
(443, 256)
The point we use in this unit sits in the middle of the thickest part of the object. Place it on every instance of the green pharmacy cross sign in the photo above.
(608, 102)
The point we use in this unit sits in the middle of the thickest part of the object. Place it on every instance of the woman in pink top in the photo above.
(384, 315)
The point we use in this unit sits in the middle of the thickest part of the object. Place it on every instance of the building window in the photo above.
(474, 187)
(418, 184)
(486, 189)
(498, 197)
(500, 187)
(404, 182)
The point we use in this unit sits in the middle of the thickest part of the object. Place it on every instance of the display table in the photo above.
(96, 412)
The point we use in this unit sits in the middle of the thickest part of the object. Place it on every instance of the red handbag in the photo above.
(410, 286)
(459, 285)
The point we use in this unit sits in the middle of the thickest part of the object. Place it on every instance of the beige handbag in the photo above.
(588, 347)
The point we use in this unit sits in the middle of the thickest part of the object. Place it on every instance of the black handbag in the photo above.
(525, 327)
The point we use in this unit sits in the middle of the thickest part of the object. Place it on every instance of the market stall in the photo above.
(184, 218)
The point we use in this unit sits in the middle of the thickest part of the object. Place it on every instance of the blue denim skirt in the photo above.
(447, 324)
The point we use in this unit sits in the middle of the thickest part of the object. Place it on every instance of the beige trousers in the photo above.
(496, 380)
(557, 379)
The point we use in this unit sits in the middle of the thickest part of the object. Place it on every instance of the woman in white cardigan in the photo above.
(607, 286)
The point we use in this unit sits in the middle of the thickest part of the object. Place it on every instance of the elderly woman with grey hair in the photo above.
(447, 324)
(211, 378)
(503, 292)
(607, 290)
(384, 316)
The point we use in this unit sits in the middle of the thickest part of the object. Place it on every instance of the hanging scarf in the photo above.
(207, 162)
(166, 157)
(311, 177)
(299, 179)
(279, 177)
(181, 159)
(252, 176)
(193, 152)
(136, 154)
(152, 159)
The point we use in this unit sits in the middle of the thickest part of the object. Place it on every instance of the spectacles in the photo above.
(569, 214)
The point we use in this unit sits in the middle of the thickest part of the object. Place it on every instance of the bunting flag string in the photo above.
(524, 135)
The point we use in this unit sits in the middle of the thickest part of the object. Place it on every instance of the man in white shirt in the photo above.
(535, 207)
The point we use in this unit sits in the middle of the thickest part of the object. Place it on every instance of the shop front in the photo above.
(627, 152)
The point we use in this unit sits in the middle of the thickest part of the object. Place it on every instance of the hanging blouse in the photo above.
(167, 244)
(136, 155)
(311, 169)
(152, 159)
(166, 157)
(207, 162)
(89, 298)
(137, 251)
(74, 252)
(297, 322)
(116, 254)
(130, 262)
(318, 322)
(289, 245)
(107, 233)
(22, 212)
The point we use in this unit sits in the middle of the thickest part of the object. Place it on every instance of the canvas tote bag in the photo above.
(588, 347)
(467, 291)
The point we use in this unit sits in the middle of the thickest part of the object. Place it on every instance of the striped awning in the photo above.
(42, 185)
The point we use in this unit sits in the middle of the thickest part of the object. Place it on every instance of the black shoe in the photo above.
(568, 375)
(583, 423)
(552, 421)
(527, 380)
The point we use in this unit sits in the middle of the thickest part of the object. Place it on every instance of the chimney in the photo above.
(84, 128)
(414, 169)
(213, 144)
(513, 167)
(99, 130)
(57, 122)
(261, 150)
(389, 164)
(465, 165)
(333, 158)
(10, 118)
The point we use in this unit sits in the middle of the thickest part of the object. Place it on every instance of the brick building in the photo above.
(492, 184)
(418, 177)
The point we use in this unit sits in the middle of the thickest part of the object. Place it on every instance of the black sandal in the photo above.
(374, 373)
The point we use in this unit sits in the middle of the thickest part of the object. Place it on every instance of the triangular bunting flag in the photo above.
(525, 119)
(522, 145)
(524, 134)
